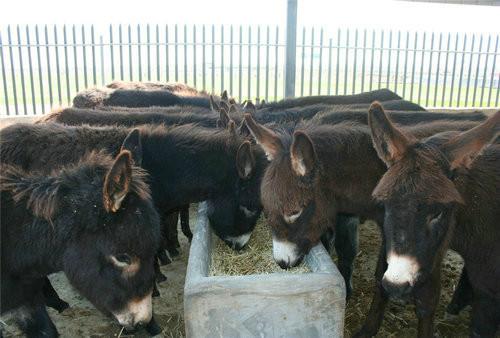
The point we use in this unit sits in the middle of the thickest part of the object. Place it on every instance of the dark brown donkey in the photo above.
(316, 172)
(437, 193)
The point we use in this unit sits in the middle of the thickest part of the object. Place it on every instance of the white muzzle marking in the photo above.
(239, 241)
(137, 311)
(401, 269)
(285, 251)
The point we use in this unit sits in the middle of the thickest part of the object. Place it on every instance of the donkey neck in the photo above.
(189, 164)
(350, 167)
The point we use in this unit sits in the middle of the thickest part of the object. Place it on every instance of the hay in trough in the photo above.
(255, 258)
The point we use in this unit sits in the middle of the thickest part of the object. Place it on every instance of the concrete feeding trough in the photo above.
(284, 304)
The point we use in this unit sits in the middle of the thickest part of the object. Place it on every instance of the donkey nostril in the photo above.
(284, 265)
(396, 289)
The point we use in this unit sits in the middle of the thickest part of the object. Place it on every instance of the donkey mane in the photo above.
(43, 193)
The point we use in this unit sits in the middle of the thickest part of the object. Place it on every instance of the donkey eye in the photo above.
(290, 218)
(121, 260)
(434, 218)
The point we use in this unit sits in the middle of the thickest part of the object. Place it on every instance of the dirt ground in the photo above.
(82, 320)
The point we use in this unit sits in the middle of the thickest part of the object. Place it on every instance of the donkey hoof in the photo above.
(160, 277)
(62, 306)
(173, 252)
(156, 293)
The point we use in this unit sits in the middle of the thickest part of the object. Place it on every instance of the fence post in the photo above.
(291, 44)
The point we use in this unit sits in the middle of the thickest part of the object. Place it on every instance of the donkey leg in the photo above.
(186, 230)
(379, 300)
(328, 240)
(346, 245)
(172, 240)
(52, 298)
(462, 295)
(426, 300)
(160, 277)
(35, 322)
(485, 320)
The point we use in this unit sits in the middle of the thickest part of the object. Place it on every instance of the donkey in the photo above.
(366, 97)
(83, 219)
(173, 87)
(316, 173)
(94, 97)
(437, 193)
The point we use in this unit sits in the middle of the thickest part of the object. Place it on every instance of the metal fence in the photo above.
(47, 65)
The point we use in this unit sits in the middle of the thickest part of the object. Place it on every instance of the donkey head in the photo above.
(233, 215)
(290, 193)
(111, 260)
(419, 194)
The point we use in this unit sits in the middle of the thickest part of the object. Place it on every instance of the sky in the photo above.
(327, 13)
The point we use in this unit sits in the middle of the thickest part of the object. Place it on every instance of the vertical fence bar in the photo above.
(12, 69)
(388, 79)
(337, 74)
(364, 60)
(438, 67)
(406, 62)
(249, 62)
(213, 59)
(40, 74)
(276, 67)
(422, 61)
(413, 65)
(346, 69)
(258, 63)
(185, 53)
(446, 69)
(483, 86)
(84, 54)
(194, 55)
(49, 73)
(176, 53)
(66, 64)
(320, 68)
(231, 60)
(240, 69)
(291, 46)
(21, 70)
(103, 72)
(498, 92)
(397, 63)
(493, 71)
(58, 72)
(139, 54)
(92, 39)
(355, 63)
(167, 56)
(372, 60)
(131, 73)
(302, 62)
(120, 37)
(453, 71)
(158, 67)
(203, 57)
(329, 84)
(311, 70)
(4, 78)
(462, 68)
(469, 71)
(75, 59)
(111, 52)
(222, 58)
(477, 69)
(32, 82)
(381, 59)
(148, 49)
(267, 63)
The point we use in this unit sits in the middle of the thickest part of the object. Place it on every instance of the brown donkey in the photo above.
(437, 193)
(316, 172)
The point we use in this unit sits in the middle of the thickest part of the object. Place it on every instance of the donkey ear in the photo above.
(303, 156)
(266, 138)
(133, 144)
(250, 107)
(245, 161)
(232, 101)
(463, 148)
(232, 109)
(117, 182)
(213, 105)
(262, 103)
(224, 96)
(223, 120)
(243, 129)
(388, 140)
